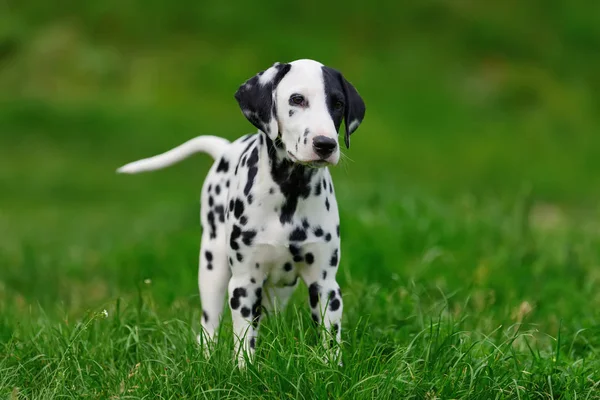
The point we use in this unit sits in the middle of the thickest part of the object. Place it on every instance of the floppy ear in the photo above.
(256, 98)
(354, 111)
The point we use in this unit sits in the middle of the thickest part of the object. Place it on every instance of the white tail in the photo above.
(213, 145)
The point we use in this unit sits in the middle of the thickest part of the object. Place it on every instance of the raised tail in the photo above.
(213, 145)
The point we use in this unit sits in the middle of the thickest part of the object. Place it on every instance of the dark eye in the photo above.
(297, 100)
(338, 105)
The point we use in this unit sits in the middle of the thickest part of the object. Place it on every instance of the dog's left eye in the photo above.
(297, 100)
(338, 105)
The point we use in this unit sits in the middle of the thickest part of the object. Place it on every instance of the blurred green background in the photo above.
(482, 124)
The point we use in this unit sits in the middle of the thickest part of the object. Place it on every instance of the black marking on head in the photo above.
(309, 258)
(245, 312)
(291, 112)
(287, 267)
(340, 92)
(223, 165)
(334, 258)
(328, 237)
(298, 235)
(327, 203)
(313, 294)
(239, 257)
(256, 99)
(318, 231)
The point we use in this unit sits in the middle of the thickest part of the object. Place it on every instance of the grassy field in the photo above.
(469, 206)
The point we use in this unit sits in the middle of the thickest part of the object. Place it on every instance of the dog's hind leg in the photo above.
(213, 276)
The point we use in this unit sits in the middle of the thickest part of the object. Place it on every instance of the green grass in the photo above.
(469, 203)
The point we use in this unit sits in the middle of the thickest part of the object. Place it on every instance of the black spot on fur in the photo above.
(205, 315)
(252, 280)
(209, 267)
(337, 229)
(252, 342)
(330, 186)
(208, 255)
(334, 304)
(298, 258)
(248, 237)
(306, 132)
(309, 258)
(256, 307)
(209, 188)
(238, 208)
(211, 201)
(221, 212)
(231, 204)
(287, 267)
(294, 250)
(313, 294)
(227, 183)
(328, 237)
(272, 190)
(243, 220)
(257, 265)
(244, 161)
(294, 180)
(236, 232)
(324, 184)
(250, 199)
(305, 223)
(211, 223)
(297, 235)
(230, 261)
(327, 203)
(318, 231)
(317, 189)
(334, 258)
(305, 140)
(252, 171)
(234, 302)
(223, 166)
(245, 312)
(324, 275)
(239, 257)
(218, 189)
(331, 295)
(291, 112)
(240, 292)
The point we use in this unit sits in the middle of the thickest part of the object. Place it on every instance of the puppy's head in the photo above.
(303, 103)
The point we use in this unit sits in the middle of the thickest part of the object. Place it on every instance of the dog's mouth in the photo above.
(311, 163)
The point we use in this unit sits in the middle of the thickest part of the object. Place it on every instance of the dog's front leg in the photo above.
(245, 300)
(325, 299)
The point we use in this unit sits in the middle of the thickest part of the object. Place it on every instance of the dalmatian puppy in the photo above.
(268, 208)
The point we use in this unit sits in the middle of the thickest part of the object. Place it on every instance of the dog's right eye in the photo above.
(297, 100)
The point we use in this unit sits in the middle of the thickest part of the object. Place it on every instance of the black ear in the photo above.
(354, 111)
(256, 98)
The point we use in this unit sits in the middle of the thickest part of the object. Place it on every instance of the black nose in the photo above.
(324, 146)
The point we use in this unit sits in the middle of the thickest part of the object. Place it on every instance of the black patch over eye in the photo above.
(297, 100)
